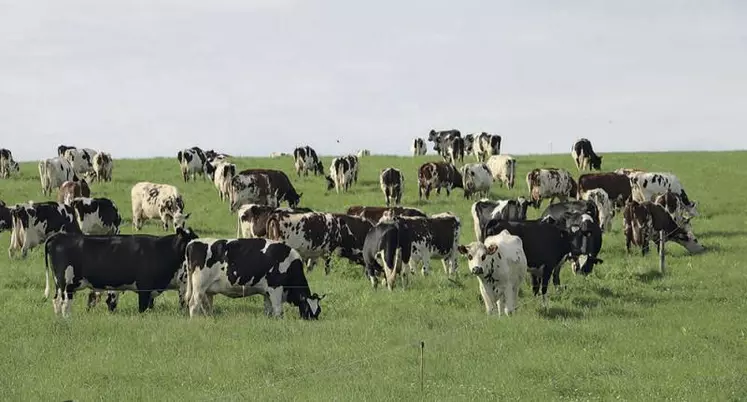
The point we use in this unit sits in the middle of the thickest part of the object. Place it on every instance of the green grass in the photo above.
(625, 332)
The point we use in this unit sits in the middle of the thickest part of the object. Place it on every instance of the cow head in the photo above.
(318, 168)
(432, 135)
(13, 167)
(180, 219)
(330, 183)
(309, 307)
(595, 162)
(477, 254)
(523, 206)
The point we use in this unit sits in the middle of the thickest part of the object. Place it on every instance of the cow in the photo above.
(213, 157)
(374, 214)
(500, 266)
(571, 216)
(268, 186)
(71, 189)
(630, 172)
(246, 267)
(390, 241)
(96, 216)
(486, 145)
(454, 150)
(102, 166)
(484, 210)
(340, 175)
(192, 161)
(307, 160)
(584, 156)
(646, 186)
(617, 186)
(7, 165)
(550, 183)
(643, 222)
(418, 147)
(6, 220)
(439, 138)
(437, 235)
(503, 169)
(672, 203)
(437, 175)
(63, 148)
(81, 159)
(146, 264)
(157, 201)
(606, 210)
(252, 219)
(53, 172)
(222, 174)
(469, 144)
(363, 152)
(354, 164)
(34, 222)
(476, 179)
(278, 154)
(392, 183)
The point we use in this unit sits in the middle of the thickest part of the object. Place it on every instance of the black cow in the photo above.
(584, 156)
(148, 265)
(581, 217)
(387, 239)
(392, 183)
(442, 138)
(455, 150)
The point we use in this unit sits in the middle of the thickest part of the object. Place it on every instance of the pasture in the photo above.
(624, 332)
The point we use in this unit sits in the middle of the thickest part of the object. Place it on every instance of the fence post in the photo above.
(662, 262)
(422, 365)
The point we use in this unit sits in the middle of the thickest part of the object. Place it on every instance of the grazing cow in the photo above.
(53, 172)
(437, 175)
(262, 186)
(6, 220)
(96, 216)
(550, 183)
(392, 183)
(440, 138)
(486, 145)
(500, 266)
(81, 159)
(153, 200)
(192, 162)
(454, 150)
(584, 157)
(418, 147)
(34, 222)
(646, 186)
(71, 189)
(644, 220)
(476, 179)
(307, 160)
(390, 241)
(223, 172)
(252, 219)
(672, 203)
(246, 267)
(503, 169)
(374, 214)
(363, 152)
(7, 164)
(617, 186)
(63, 148)
(102, 166)
(604, 206)
(340, 175)
(509, 210)
(146, 264)
(437, 235)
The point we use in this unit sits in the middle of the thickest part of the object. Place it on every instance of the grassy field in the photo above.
(625, 332)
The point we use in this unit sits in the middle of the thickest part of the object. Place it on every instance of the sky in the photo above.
(144, 78)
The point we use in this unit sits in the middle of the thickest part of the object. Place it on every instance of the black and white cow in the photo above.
(34, 222)
(437, 235)
(246, 267)
(486, 145)
(192, 161)
(476, 179)
(604, 205)
(8, 166)
(418, 147)
(53, 172)
(102, 166)
(390, 241)
(646, 186)
(374, 214)
(307, 160)
(584, 156)
(550, 183)
(146, 264)
(341, 174)
(96, 216)
(252, 219)
(454, 150)
(644, 220)
(503, 169)
(223, 172)
(157, 201)
(509, 210)
(469, 144)
(81, 159)
(581, 217)
(392, 183)
(262, 186)
(437, 175)
(6, 220)
(63, 148)
(441, 138)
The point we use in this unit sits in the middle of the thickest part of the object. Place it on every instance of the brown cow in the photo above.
(374, 214)
(437, 175)
(617, 186)
(72, 189)
(643, 222)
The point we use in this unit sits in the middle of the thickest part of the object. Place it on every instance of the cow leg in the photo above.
(487, 299)
(67, 300)
(143, 300)
(327, 264)
(426, 265)
(428, 191)
(556, 275)
(268, 304)
(57, 301)
(93, 298)
(276, 300)
(46, 284)
(112, 299)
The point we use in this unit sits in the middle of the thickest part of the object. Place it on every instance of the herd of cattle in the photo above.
(84, 249)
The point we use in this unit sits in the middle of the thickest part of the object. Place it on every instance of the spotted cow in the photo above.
(102, 166)
(53, 172)
(550, 183)
(8, 166)
(262, 186)
(252, 219)
(646, 186)
(437, 235)
(509, 210)
(418, 147)
(476, 179)
(193, 162)
(374, 214)
(157, 201)
(96, 216)
(503, 169)
(486, 145)
(438, 175)
(306, 160)
(584, 156)
(34, 222)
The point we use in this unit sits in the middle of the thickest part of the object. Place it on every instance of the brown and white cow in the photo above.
(7, 165)
(252, 219)
(53, 172)
(646, 186)
(72, 189)
(643, 222)
(102, 166)
(157, 201)
(617, 186)
(34, 222)
(262, 186)
(438, 175)
(437, 235)
(503, 169)
(672, 203)
(374, 214)
(550, 183)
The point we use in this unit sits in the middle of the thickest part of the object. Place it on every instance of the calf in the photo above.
(102, 166)
(53, 172)
(646, 186)
(584, 157)
(162, 201)
(418, 147)
(437, 235)
(374, 214)
(340, 175)
(503, 169)
(509, 210)
(604, 206)
(500, 266)
(246, 267)
(268, 186)
(7, 164)
(643, 222)
(148, 265)
(486, 145)
(96, 216)
(81, 159)
(252, 219)
(392, 183)
(390, 241)
(6, 221)
(307, 160)
(34, 222)
(71, 189)
(192, 161)
(550, 183)
(476, 179)
(223, 172)
(617, 186)
(437, 175)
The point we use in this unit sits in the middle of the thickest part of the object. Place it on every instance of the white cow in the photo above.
(646, 186)
(500, 265)
(476, 179)
(222, 175)
(503, 168)
(81, 159)
(550, 183)
(157, 201)
(53, 172)
(604, 206)
(102, 166)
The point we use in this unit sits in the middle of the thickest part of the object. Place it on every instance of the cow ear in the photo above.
(462, 249)
(492, 249)
(187, 216)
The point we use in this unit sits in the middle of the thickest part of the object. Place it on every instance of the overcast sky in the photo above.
(144, 78)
